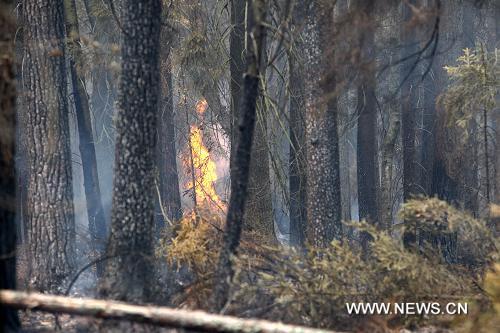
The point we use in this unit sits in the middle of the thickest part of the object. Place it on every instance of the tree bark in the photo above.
(45, 130)
(168, 183)
(241, 164)
(367, 115)
(9, 321)
(95, 211)
(322, 146)
(198, 321)
(391, 103)
(409, 76)
(496, 120)
(443, 185)
(128, 273)
(298, 166)
(258, 219)
(237, 52)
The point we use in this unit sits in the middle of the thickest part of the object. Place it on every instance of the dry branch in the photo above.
(160, 316)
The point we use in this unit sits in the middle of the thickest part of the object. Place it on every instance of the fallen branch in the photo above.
(160, 316)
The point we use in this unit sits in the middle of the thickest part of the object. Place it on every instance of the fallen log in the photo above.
(159, 316)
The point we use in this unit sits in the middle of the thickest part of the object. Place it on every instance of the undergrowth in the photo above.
(454, 260)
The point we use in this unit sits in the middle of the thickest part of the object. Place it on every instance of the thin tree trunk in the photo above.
(409, 73)
(128, 274)
(95, 211)
(45, 129)
(298, 217)
(237, 49)
(367, 159)
(367, 115)
(388, 91)
(443, 185)
(9, 321)
(322, 146)
(496, 118)
(241, 163)
(166, 148)
(387, 188)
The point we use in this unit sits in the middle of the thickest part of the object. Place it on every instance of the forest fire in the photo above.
(202, 167)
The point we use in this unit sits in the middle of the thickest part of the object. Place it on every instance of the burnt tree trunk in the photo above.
(128, 272)
(9, 321)
(95, 211)
(322, 146)
(237, 67)
(45, 130)
(241, 164)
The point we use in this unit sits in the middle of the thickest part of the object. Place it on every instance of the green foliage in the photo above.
(474, 86)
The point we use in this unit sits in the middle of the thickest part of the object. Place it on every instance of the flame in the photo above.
(201, 106)
(205, 174)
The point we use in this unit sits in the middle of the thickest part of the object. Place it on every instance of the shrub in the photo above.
(311, 287)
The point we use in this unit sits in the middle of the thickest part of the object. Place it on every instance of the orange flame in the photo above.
(205, 174)
(201, 106)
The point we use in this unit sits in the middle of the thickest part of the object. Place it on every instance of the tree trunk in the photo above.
(298, 217)
(237, 49)
(241, 163)
(168, 183)
(443, 184)
(387, 169)
(258, 218)
(391, 103)
(409, 76)
(322, 146)
(95, 211)
(49, 211)
(367, 115)
(496, 120)
(9, 321)
(128, 273)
